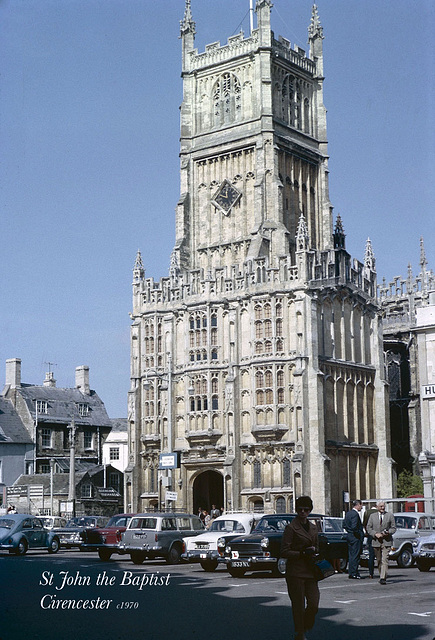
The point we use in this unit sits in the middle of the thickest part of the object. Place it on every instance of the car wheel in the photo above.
(174, 555)
(279, 569)
(105, 555)
(343, 564)
(405, 558)
(423, 565)
(236, 573)
(21, 549)
(54, 546)
(137, 557)
(209, 565)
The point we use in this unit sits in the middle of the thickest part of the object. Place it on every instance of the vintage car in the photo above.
(70, 535)
(208, 546)
(53, 522)
(106, 539)
(261, 550)
(159, 535)
(410, 527)
(21, 532)
(423, 552)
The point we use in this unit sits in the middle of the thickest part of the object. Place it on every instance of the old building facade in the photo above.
(408, 306)
(258, 361)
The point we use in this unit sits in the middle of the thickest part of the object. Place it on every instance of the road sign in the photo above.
(171, 496)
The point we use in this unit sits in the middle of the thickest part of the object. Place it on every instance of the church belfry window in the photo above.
(227, 94)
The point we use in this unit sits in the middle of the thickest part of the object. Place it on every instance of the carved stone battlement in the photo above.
(238, 45)
(326, 268)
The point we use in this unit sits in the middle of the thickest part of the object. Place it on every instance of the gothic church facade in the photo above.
(258, 360)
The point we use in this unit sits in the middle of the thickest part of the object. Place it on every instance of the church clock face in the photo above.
(226, 197)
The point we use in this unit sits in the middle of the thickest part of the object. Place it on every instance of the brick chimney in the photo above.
(13, 372)
(82, 379)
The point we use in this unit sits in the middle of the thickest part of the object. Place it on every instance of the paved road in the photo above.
(122, 601)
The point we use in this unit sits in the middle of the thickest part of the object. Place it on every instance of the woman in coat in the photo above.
(299, 545)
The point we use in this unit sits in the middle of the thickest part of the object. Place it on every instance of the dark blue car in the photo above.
(21, 532)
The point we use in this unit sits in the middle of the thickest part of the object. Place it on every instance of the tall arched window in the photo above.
(227, 99)
(257, 473)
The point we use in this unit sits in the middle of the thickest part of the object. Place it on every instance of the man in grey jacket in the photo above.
(381, 526)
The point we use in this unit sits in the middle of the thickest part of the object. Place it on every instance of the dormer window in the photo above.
(41, 406)
(83, 409)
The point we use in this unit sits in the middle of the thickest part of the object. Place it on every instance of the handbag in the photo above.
(323, 569)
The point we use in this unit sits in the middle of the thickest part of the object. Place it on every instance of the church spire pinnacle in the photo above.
(187, 24)
(302, 236)
(423, 260)
(339, 235)
(315, 29)
(369, 257)
(138, 269)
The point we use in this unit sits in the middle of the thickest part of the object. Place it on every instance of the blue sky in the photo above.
(89, 130)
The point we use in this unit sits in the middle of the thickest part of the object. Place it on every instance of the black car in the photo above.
(261, 550)
(70, 535)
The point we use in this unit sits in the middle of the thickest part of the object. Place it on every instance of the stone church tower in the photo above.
(258, 360)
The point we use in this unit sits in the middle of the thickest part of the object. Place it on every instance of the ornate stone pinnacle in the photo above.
(315, 28)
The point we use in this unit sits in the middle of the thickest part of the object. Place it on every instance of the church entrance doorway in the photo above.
(208, 489)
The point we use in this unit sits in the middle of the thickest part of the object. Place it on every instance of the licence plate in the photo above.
(240, 563)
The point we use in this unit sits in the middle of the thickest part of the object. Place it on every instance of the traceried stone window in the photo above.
(280, 505)
(264, 387)
(286, 476)
(202, 335)
(267, 328)
(227, 100)
(199, 399)
(295, 105)
(256, 468)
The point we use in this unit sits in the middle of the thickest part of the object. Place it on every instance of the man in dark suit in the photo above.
(355, 536)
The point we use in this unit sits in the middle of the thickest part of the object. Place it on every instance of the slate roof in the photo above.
(119, 424)
(11, 428)
(62, 405)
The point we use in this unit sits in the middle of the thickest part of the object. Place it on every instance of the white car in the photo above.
(208, 546)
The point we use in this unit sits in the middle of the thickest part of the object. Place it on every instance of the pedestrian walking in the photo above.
(369, 539)
(299, 545)
(381, 526)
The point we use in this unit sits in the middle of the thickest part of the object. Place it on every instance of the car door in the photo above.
(38, 534)
(424, 526)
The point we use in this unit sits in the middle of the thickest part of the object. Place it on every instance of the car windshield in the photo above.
(227, 525)
(6, 523)
(80, 522)
(405, 522)
(272, 523)
(118, 521)
(332, 525)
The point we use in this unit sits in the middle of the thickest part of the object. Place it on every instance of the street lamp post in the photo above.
(72, 466)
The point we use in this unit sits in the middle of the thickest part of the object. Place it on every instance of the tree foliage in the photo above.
(408, 484)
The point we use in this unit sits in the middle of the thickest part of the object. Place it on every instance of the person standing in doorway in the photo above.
(355, 536)
(381, 526)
